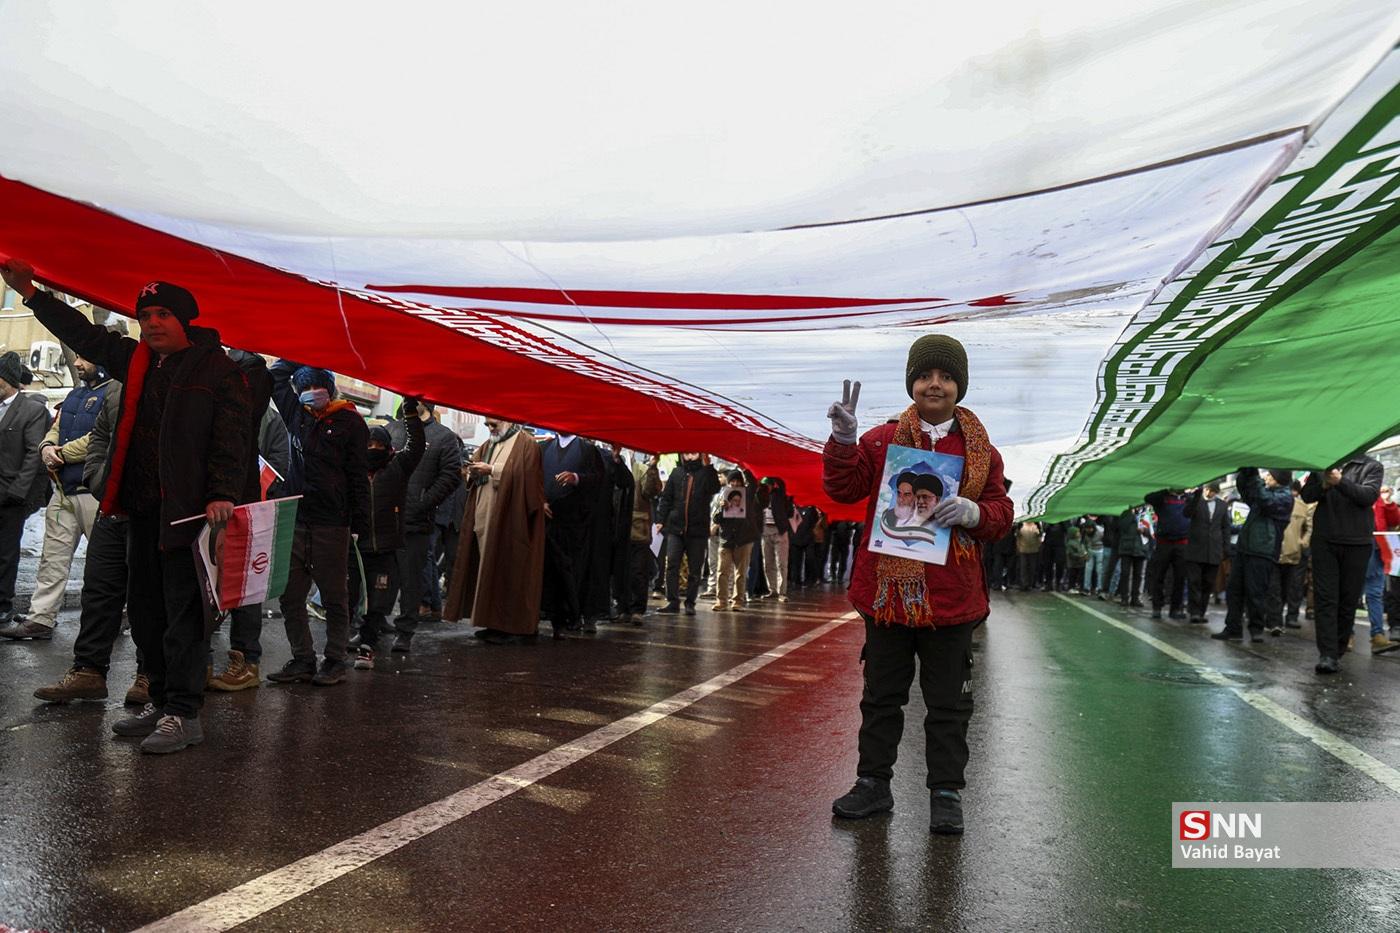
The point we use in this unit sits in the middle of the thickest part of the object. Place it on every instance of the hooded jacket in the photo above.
(329, 466)
(684, 506)
(205, 448)
(1130, 543)
(388, 493)
(1269, 513)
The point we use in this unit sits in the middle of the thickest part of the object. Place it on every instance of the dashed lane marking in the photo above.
(266, 892)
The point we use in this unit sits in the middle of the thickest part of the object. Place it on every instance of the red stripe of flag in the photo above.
(233, 568)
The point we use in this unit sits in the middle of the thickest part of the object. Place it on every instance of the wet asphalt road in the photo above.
(716, 818)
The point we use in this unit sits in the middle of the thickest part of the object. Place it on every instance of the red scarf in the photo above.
(131, 400)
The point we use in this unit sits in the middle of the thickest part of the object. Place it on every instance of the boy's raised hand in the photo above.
(843, 413)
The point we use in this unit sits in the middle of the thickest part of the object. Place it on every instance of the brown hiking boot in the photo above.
(140, 692)
(77, 684)
(239, 675)
(1380, 644)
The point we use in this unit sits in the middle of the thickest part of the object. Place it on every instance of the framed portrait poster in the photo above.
(914, 482)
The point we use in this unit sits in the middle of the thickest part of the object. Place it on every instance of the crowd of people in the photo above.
(1271, 552)
(398, 524)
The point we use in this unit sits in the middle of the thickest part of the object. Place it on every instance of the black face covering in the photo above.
(379, 457)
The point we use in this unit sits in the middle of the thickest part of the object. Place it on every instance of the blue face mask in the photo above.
(315, 399)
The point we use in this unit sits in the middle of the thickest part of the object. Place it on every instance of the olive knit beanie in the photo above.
(937, 351)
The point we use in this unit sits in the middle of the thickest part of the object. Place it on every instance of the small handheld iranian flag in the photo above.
(1388, 542)
(246, 561)
(267, 475)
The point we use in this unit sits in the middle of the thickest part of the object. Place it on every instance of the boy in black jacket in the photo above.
(389, 474)
(329, 469)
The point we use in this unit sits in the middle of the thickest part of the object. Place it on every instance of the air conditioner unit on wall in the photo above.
(45, 356)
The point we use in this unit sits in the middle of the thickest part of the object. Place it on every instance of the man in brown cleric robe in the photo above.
(500, 560)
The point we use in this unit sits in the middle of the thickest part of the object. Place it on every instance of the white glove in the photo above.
(843, 414)
(955, 510)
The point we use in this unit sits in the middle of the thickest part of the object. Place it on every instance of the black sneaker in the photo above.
(1292, 623)
(1256, 636)
(1226, 636)
(945, 813)
(142, 723)
(1276, 631)
(402, 643)
(1178, 615)
(689, 609)
(1196, 620)
(295, 671)
(364, 658)
(670, 609)
(869, 796)
(1156, 615)
(1326, 665)
(331, 673)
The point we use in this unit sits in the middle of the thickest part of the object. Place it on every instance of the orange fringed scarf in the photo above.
(898, 578)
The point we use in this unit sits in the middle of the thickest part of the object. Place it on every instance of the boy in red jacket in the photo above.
(913, 609)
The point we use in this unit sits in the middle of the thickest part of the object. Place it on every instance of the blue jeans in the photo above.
(1093, 570)
(1375, 592)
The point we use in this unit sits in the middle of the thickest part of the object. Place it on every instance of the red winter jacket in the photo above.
(1387, 515)
(958, 589)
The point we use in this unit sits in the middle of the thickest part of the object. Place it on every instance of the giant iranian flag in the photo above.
(1165, 230)
(246, 561)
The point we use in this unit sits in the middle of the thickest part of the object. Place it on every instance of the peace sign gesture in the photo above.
(843, 413)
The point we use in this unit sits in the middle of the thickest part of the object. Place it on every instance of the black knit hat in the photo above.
(172, 298)
(380, 435)
(937, 351)
(11, 369)
(1282, 477)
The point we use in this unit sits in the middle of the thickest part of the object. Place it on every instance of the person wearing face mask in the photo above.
(330, 470)
(389, 474)
(683, 511)
(496, 580)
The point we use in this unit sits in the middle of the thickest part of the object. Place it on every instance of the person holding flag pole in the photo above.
(183, 445)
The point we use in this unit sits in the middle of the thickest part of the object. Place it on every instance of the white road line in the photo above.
(277, 887)
(1334, 745)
